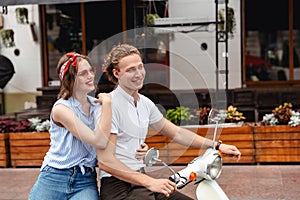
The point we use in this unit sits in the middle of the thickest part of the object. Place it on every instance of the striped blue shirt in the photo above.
(67, 151)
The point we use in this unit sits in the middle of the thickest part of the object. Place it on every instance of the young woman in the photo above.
(68, 169)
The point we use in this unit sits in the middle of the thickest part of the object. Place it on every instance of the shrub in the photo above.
(8, 125)
(179, 115)
(282, 115)
(11, 125)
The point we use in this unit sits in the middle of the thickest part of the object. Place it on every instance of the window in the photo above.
(268, 41)
(77, 27)
(63, 32)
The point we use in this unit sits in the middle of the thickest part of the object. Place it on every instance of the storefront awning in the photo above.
(23, 2)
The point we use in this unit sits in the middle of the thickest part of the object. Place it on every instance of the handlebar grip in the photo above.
(179, 180)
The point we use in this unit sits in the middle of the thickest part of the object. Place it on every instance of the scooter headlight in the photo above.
(215, 167)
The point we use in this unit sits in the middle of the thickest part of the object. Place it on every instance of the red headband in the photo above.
(71, 61)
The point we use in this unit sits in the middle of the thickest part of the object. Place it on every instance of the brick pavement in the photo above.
(239, 182)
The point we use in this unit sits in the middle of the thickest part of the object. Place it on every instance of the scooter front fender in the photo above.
(210, 190)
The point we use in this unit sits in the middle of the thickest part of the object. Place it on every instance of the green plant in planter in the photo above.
(282, 115)
(200, 116)
(8, 125)
(233, 115)
(39, 125)
(179, 116)
(150, 19)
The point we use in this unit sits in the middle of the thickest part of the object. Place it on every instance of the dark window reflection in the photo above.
(63, 33)
(267, 40)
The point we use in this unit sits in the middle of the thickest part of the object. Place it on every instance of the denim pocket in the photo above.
(47, 168)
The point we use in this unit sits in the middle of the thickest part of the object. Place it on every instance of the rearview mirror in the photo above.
(151, 156)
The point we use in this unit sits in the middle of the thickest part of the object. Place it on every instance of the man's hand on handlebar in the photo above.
(231, 151)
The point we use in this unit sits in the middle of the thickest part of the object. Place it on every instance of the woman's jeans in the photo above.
(60, 184)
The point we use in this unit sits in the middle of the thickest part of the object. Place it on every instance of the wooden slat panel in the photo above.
(277, 136)
(276, 129)
(27, 156)
(29, 135)
(242, 144)
(3, 136)
(277, 158)
(3, 156)
(4, 150)
(278, 151)
(159, 146)
(277, 143)
(39, 149)
(26, 163)
(235, 137)
(156, 138)
(239, 130)
(4, 163)
(31, 142)
(29, 148)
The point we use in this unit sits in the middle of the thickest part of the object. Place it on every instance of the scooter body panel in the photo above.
(210, 190)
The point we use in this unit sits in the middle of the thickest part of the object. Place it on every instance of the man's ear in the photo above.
(115, 73)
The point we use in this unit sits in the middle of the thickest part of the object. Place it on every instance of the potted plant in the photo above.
(179, 115)
(22, 15)
(7, 36)
(231, 23)
(233, 115)
(29, 142)
(150, 19)
(277, 137)
(200, 116)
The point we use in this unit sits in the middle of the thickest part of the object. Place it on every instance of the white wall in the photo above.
(190, 66)
(27, 65)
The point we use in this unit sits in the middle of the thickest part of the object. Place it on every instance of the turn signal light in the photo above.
(193, 176)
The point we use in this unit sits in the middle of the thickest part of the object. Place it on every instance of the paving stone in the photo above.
(239, 182)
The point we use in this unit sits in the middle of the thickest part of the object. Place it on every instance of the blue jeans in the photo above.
(60, 184)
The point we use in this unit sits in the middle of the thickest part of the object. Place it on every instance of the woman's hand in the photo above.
(140, 153)
(103, 97)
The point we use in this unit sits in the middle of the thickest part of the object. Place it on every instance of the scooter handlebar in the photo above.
(179, 180)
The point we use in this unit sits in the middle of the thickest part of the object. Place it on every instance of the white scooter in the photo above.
(203, 170)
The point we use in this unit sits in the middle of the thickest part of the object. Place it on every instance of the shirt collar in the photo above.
(76, 103)
(128, 97)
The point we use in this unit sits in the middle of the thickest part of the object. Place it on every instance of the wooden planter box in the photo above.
(277, 144)
(242, 137)
(4, 150)
(28, 148)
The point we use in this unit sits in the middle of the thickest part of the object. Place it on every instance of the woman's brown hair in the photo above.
(68, 80)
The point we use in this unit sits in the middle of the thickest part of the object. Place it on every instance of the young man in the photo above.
(122, 176)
